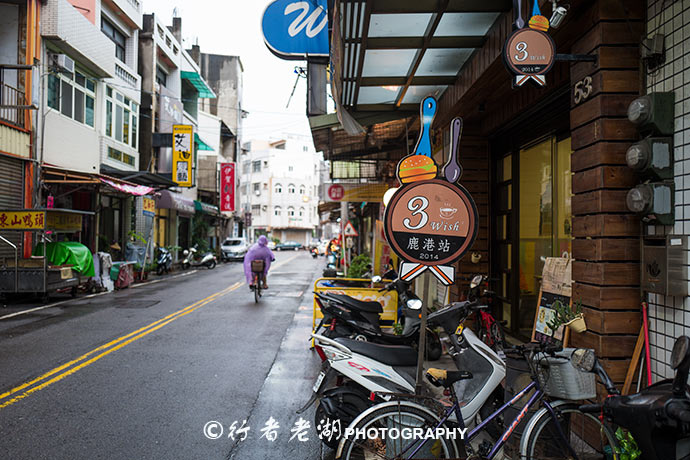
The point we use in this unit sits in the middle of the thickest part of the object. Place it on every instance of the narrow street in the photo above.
(140, 373)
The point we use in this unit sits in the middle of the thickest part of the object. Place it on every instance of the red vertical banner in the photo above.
(227, 187)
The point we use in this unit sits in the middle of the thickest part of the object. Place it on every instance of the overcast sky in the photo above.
(233, 27)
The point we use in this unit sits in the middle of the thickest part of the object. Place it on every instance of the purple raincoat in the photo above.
(258, 251)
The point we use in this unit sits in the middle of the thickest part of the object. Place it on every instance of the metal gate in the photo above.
(11, 197)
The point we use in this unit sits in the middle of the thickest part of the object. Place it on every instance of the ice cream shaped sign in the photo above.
(529, 52)
(431, 221)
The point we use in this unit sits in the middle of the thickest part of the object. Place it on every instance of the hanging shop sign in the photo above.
(148, 207)
(227, 187)
(529, 52)
(22, 220)
(431, 221)
(370, 193)
(183, 145)
(296, 30)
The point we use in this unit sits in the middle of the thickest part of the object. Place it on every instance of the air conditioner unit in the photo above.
(63, 63)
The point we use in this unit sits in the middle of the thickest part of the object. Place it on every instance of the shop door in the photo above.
(534, 201)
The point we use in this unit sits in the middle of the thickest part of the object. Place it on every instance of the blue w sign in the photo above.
(296, 29)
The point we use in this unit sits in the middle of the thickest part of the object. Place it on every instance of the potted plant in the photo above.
(564, 315)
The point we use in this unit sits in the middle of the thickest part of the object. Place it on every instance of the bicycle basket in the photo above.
(258, 266)
(560, 379)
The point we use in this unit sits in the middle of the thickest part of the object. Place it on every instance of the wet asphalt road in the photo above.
(138, 373)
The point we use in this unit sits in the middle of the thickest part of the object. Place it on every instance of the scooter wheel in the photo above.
(211, 265)
(160, 270)
(185, 266)
(348, 403)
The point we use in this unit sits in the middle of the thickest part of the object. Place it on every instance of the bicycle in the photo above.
(489, 330)
(554, 432)
(257, 278)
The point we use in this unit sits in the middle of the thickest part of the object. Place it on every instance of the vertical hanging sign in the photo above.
(529, 52)
(227, 187)
(183, 146)
(431, 221)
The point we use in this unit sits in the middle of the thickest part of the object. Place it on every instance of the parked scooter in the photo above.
(315, 252)
(345, 316)
(658, 417)
(369, 370)
(164, 261)
(191, 259)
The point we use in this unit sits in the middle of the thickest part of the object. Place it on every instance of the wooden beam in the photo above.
(401, 43)
(431, 6)
(400, 81)
(428, 34)
(362, 51)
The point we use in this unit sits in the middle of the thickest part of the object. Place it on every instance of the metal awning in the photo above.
(390, 54)
(140, 177)
(201, 145)
(205, 208)
(198, 82)
(171, 200)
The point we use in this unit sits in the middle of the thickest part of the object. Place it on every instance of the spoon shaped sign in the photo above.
(431, 222)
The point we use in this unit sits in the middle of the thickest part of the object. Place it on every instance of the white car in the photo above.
(234, 249)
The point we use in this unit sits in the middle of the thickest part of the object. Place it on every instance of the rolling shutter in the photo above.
(11, 197)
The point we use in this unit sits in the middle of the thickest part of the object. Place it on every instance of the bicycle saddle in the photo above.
(444, 378)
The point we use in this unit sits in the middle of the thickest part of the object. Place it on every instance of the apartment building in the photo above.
(279, 188)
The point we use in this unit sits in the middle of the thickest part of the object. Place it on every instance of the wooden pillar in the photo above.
(606, 271)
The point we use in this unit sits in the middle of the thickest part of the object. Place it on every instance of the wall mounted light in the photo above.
(558, 15)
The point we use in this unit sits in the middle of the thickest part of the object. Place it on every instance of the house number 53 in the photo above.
(583, 89)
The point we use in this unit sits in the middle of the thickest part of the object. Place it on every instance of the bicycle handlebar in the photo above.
(677, 411)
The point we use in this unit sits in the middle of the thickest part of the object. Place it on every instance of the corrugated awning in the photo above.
(195, 79)
(201, 145)
(205, 208)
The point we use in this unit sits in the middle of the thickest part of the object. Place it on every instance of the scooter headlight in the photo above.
(185, 252)
(476, 281)
(414, 304)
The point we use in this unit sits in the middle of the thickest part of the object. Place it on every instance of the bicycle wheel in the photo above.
(392, 432)
(589, 438)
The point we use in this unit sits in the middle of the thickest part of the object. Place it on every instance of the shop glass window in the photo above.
(116, 37)
(73, 95)
(117, 155)
(121, 118)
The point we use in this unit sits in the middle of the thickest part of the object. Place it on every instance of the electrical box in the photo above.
(664, 265)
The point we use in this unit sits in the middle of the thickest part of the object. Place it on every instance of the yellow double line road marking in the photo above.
(57, 374)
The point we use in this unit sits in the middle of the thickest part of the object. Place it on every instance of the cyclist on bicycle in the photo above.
(258, 251)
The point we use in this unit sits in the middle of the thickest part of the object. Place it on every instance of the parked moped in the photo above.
(192, 259)
(164, 261)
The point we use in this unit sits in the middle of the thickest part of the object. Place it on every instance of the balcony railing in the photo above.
(11, 99)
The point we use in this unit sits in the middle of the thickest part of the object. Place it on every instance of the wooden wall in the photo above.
(606, 245)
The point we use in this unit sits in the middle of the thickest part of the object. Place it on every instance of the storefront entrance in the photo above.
(532, 220)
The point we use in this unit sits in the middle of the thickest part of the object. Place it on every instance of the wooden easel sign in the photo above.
(556, 286)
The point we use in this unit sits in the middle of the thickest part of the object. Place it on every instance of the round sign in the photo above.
(431, 222)
(336, 192)
(529, 52)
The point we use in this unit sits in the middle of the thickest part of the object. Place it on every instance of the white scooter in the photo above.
(207, 260)
(364, 372)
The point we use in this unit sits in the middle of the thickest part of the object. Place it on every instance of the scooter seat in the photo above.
(361, 305)
(393, 355)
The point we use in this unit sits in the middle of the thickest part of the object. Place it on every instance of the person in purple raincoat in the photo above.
(258, 251)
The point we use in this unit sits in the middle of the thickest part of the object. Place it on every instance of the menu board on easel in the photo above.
(556, 286)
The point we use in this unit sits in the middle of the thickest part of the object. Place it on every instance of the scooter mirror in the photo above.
(680, 351)
(476, 281)
(376, 279)
(414, 304)
(583, 359)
